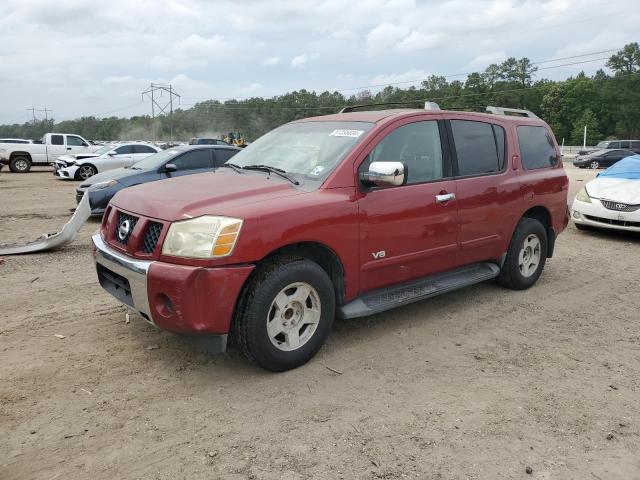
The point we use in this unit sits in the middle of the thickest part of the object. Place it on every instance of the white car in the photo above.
(612, 200)
(115, 156)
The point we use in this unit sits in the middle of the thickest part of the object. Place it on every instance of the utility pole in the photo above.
(165, 107)
(46, 112)
(584, 138)
(33, 112)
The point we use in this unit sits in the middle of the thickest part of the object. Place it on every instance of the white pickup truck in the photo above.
(20, 157)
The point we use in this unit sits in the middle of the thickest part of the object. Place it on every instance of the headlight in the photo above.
(70, 162)
(583, 196)
(101, 185)
(202, 237)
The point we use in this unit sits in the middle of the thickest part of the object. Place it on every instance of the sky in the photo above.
(81, 57)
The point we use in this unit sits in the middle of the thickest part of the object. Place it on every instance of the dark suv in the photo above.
(343, 215)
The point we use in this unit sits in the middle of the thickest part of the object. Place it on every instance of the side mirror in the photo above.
(111, 153)
(170, 167)
(385, 174)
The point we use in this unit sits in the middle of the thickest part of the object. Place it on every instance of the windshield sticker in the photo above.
(346, 133)
(317, 170)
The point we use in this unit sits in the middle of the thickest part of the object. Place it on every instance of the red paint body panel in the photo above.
(419, 236)
(202, 299)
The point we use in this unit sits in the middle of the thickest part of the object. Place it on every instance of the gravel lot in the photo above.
(481, 383)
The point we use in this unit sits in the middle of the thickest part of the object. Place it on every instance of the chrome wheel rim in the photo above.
(294, 316)
(85, 172)
(530, 255)
(595, 165)
(21, 165)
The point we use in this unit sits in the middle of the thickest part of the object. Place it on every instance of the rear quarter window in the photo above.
(57, 140)
(537, 148)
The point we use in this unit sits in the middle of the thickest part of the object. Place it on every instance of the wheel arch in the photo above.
(319, 253)
(20, 154)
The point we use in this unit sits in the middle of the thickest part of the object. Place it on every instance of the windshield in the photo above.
(105, 149)
(602, 145)
(156, 160)
(310, 150)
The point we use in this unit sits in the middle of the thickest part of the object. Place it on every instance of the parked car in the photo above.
(343, 215)
(601, 158)
(207, 141)
(175, 162)
(67, 160)
(21, 157)
(117, 156)
(15, 140)
(633, 145)
(612, 200)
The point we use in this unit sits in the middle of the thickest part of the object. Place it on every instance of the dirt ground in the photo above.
(477, 384)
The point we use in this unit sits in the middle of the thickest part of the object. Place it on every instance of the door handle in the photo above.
(445, 197)
(68, 148)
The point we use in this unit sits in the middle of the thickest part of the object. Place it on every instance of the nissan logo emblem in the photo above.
(621, 206)
(123, 230)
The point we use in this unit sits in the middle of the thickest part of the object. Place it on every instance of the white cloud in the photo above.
(119, 79)
(384, 37)
(414, 75)
(342, 35)
(418, 41)
(299, 61)
(481, 62)
(253, 88)
(271, 61)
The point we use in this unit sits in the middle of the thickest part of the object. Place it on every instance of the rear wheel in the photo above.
(526, 256)
(594, 164)
(285, 314)
(20, 164)
(85, 171)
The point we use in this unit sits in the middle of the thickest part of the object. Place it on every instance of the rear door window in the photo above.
(57, 140)
(537, 149)
(625, 144)
(478, 149)
(143, 149)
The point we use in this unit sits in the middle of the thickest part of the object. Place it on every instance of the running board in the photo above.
(406, 293)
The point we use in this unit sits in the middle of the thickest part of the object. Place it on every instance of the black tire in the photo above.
(256, 306)
(87, 167)
(20, 164)
(511, 275)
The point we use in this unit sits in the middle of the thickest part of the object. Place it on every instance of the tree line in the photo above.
(607, 103)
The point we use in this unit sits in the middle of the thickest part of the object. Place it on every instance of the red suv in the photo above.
(342, 215)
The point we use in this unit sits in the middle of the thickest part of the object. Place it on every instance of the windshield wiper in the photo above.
(236, 168)
(277, 171)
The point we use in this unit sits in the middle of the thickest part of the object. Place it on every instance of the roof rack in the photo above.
(514, 112)
(352, 108)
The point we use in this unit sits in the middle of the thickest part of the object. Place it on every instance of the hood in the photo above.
(116, 174)
(621, 190)
(212, 193)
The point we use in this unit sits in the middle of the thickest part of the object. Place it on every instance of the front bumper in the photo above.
(65, 173)
(594, 214)
(181, 299)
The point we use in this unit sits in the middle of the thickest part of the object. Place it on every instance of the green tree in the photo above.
(626, 60)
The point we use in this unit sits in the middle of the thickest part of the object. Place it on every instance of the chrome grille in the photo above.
(151, 237)
(619, 206)
(122, 218)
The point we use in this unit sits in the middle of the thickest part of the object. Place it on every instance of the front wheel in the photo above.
(526, 256)
(594, 165)
(85, 171)
(285, 314)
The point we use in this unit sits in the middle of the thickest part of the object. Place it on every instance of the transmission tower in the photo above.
(155, 92)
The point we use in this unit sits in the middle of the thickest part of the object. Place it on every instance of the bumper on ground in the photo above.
(594, 214)
(180, 299)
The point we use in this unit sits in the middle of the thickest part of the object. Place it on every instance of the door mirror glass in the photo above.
(170, 167)
(385, 174)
